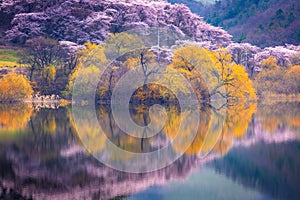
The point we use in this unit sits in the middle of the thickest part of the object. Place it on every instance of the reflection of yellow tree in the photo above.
(270, 124)
(270, 117)
(203, 127)
(49, 125)
(238, 118)
(173, 122)
(294, 121)
(183, 137)
(90, 135)
(14, 117)
(214, 132)
(273, 115)
(116, 135)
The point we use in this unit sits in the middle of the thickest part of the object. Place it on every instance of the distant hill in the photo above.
(260, 22)
(195, 6)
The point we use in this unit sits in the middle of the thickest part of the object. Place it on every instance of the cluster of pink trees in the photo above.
(91, 20)
(251, 56)
(283, 54)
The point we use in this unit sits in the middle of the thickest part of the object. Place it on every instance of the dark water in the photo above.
(251, 152)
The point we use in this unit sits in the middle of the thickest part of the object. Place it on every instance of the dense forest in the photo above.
(260, 22)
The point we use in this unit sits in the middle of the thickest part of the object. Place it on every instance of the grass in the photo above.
(9, 58)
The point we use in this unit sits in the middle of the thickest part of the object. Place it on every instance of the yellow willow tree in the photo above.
(269, 63)
(49, 73)
(234, 127)
(116, 48)
(118, 44)
(233, 76)
(97, 58)
(269, 80)
(146, 64)
(214, 70)
(90, 57)
(14, 87)
(292, 80)
(187, 61)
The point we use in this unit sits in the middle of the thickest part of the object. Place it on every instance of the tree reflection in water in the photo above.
(46, 159)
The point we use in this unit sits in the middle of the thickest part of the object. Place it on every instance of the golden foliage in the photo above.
(269, 64)
(214, 70)
(277, 80)
(294, 69)
(85, 83)
(49, 73)
(131, 63)
(90, 57)
(195, 64)
(269, 81)
(235, 78)
(14, 87)
(120, 43)
(292, 80)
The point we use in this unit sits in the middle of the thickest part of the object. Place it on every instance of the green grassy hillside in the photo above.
(9, 57)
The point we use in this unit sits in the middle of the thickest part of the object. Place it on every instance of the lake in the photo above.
(247, 151)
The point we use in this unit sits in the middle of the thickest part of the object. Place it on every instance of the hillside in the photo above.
(92, 20)
(259, 22)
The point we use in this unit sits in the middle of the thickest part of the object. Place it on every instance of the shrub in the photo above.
(14, 87)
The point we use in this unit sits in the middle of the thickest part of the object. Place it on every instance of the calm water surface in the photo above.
(251, 152)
